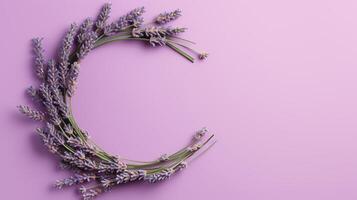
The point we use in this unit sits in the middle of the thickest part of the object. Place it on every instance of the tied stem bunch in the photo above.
(96, 171)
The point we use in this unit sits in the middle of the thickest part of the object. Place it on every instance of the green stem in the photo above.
(184, 54)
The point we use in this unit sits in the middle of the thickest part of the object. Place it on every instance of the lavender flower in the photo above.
(106, 183)
(65, 52)
(88, 194)
(58, 100)
(156, 31)
(51, 131)
(39, 58)
(133, 18)
(80, 155)
(160, 176)
(48, 140)
(48, 103)
(72, 80)
(203, 55)
(33, 93)
(103, 17)
(87, 45)
(74, 180)
(84, 30)
(68, 129)
(161, 41)
(86, 164)
(32, 114)
(129, 176)
(53, 82)
(114, 167)
(52, 74)
(167, 17)
(201, 133)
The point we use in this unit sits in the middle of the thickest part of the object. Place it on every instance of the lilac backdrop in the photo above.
(279, 90)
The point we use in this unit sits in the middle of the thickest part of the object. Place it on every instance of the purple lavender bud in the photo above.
(53, 82)
(103, 16)
(52, 74)
(201, 133)
(39, 58)
(65, 52)
(84, 29)
(68, 129)
(203, 56)
(89, 194)
(58, 100)
(156, 31)
(31, 113)
(51, 131)
(133, 18)
(80, 154)
(87, 45)
(167, 17)
(129, 176)
(160, 176)
(114, 167)
(106, 183)
(48, 103)
(72, 79)
(33, 93)
(74, 180)
(157, 41)
(48, 140)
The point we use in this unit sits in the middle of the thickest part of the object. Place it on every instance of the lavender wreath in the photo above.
(95, 170)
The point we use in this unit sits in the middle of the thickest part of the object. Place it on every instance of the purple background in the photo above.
(279, 90)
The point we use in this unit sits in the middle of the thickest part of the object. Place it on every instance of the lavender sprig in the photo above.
(39, 58)
(130, 176)
(48, 103)
(87, 45)
(72, 80)
(103, 17)
(167, 17)
(156, 31)
(31, 113)
(88, 194)
(65, 52)
(133, 18)
(48, 141)
(160, 176)
(84, 30)
(52, 74)
(74, 180)
(33, 94)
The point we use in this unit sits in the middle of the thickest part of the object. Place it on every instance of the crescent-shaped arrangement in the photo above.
(96, 171)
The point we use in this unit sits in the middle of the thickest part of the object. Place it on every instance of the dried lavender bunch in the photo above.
(60, 132)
